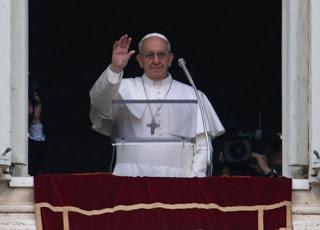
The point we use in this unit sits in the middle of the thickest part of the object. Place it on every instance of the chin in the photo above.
(157, 78)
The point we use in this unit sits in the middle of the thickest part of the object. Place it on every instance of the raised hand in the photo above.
(121, 53)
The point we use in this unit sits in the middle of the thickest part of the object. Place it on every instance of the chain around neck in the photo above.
(145, 92)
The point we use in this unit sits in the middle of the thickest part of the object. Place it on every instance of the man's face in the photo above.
(30, 108)
(155, 58)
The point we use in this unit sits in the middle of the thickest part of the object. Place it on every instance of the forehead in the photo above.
(154, 44)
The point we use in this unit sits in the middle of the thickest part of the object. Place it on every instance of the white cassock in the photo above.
(157, 159)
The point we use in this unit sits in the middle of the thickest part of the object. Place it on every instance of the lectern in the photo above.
(153, 131)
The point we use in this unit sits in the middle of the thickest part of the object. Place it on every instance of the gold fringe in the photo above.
(260, 219)
(38, 217)
(259, 208)
(65, 220)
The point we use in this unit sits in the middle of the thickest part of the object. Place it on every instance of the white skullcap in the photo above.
(154, 35)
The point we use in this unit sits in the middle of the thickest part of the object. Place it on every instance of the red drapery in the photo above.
(103, 201)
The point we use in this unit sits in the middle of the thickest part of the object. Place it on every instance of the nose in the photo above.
(155, 58)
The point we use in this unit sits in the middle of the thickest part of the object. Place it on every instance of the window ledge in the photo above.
(305, 210)
(21, 182)
(300, 184)
(16, 182)
(26, 208)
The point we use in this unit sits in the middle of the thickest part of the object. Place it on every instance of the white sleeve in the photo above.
(113, 78)
(104, 90)
(200, 156)
(36, 132)
(214, 125)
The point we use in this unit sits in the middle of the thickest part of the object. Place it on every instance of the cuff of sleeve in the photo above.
(113, 77)
(36, 132)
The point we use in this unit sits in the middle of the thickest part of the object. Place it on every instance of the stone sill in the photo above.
(17, 182)
(303, 210)
(29, 208)
(21, 182)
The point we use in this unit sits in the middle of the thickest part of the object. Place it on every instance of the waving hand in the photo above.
(121, 53)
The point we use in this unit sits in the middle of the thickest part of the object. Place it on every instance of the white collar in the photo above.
(162, 82)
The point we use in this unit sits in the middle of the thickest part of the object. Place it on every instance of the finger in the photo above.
(131, 53)
(115, 45)
(123, 41)
(128, 43)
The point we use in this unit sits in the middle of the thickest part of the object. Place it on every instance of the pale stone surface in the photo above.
(15, 196)
(307, 223)
(309, 198)
(16, 208)
(16, 182)
(17, 221)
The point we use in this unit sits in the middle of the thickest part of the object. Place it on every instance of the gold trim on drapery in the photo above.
(127, 208)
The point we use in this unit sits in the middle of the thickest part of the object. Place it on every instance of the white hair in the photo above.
(154, 35)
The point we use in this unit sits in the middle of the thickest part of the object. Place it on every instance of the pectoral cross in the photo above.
(153, 125)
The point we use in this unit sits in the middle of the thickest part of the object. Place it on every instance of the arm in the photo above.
(36, 128)
(107, 86)
(199, 164)
(215, 128)
(263, 165)
(104, 90)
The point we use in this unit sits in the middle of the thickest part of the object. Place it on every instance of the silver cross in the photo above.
(153, 125)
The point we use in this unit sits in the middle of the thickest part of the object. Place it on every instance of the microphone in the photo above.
(182, 64)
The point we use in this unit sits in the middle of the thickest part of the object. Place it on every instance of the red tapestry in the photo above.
(103, 201)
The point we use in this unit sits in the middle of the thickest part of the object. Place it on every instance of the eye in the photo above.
(162, 55)
(152, 55)
(149, 55)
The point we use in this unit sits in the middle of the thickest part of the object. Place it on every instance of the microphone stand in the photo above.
(182, 64)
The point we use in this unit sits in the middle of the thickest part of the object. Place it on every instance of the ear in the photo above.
(139, 59)
(171, 57)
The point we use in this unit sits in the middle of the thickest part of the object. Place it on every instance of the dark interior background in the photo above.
(232, 50)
